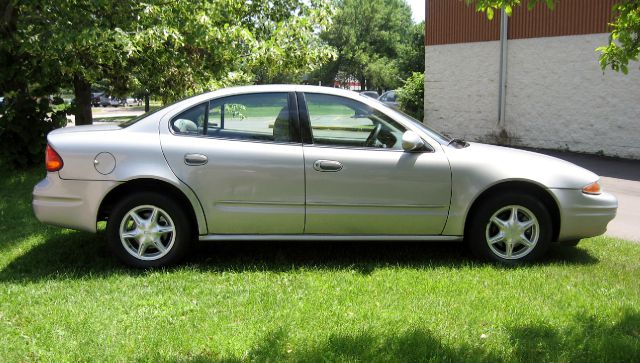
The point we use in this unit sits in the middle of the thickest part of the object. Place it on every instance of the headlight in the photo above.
(593, 188)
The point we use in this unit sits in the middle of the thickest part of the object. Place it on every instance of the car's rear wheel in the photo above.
(510, 229)
(148, 230)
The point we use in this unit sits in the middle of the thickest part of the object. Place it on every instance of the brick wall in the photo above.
(557, 96)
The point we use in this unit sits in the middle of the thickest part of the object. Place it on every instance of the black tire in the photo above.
(182, 232)
(480, 228)
(572, 243)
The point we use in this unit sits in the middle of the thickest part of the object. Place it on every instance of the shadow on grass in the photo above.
(63, 255)
(584, 339)
(416, 345)
(70, 254)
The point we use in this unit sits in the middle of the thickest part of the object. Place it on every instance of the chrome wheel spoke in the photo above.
(159, 246)
(509, 249)
(142, 247)
(514, 216)
(165, 229)
(136, 219)
(525, 241)
(496, 239)
(527, 224)
(153, 218)
(131, 234)
(499, 222)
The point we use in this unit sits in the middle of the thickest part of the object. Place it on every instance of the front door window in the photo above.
(338, 121)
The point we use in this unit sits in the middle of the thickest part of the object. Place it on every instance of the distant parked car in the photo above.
(389, 98)
(285, 162)
(371, 94)
(106, 101)
(95, 98)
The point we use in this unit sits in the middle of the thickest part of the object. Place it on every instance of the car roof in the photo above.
(281, 88)
(239, 90)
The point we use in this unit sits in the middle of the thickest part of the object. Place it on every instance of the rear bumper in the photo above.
(69, 203)
(583, 215)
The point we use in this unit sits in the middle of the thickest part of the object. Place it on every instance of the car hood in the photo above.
(499, 163)
(85, 128)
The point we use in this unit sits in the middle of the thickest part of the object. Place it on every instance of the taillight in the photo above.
(52, 160)
(593, 188)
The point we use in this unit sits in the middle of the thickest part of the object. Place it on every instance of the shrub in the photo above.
(411, 96)
(24, 124)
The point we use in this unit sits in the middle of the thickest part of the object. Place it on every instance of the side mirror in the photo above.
(412, 142)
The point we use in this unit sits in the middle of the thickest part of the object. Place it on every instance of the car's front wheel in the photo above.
(148, 230)
(510, 229)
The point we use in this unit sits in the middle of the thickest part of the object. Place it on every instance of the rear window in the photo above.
(128, 123)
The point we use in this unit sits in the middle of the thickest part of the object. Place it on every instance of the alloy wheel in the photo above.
(147, 232)
(512, 232)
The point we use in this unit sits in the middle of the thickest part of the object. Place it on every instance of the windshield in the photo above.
(441, 138)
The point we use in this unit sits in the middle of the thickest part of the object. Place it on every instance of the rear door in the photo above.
(242, 156)
(358, 178)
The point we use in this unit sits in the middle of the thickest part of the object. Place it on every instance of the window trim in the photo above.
(307, 140)
(294, 120)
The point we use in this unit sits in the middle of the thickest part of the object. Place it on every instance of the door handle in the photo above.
(195, 159)
(327, 165)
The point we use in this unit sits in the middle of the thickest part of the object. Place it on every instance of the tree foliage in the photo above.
(411, 52)
(213, 44)
(24, 125)
(411, 96)
(372, 38)
(166, 48)
(170, 48)
(624, 41)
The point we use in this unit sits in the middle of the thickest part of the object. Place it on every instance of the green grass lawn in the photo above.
(64, 298)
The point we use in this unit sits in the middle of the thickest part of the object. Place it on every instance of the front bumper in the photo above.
(583, 215)
(69, 203)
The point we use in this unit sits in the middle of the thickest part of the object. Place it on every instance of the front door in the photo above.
(242, 157)
(360, 181)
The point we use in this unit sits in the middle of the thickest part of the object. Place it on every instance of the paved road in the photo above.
(620, 177)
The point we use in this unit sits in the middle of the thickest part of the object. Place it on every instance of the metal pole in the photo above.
(502, 96)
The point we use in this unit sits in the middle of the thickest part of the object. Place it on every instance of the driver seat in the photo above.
(281, 130)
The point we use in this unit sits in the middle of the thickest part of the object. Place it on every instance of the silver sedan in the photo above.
(307, 163)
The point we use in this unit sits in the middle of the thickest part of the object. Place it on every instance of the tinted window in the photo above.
(341, 121)
(191, 121)
(260, 116)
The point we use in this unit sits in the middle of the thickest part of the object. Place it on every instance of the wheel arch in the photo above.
(521, 186)
(150, 184)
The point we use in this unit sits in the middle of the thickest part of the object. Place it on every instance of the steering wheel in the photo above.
(373, 136)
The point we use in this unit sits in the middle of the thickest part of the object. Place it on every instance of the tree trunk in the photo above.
(146, 102)
(82, 92)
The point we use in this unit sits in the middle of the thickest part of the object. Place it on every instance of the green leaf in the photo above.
(508, 10)
(490, 13)
(551, 4)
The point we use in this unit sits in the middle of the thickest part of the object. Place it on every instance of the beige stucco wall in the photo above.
(557, 95)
